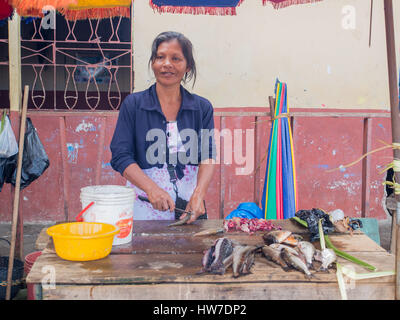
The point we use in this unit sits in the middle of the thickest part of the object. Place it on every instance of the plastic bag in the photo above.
(34, 159)
(246, 210)
(312, 217)
(8, 143)
(7, 167)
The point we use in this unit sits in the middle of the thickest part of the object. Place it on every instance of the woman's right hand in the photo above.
(160, 199)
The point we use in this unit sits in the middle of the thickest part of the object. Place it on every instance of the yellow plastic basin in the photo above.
(83, 241)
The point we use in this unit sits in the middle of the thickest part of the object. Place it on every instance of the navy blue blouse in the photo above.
(140, 133)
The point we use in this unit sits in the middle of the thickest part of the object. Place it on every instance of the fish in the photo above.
(318, 255)
(223, 249)
(277, 236)
(239, 257)
(293, 239)
(209, 232)
(328, 256)
(308, 250)
(274, 255)
(181, 221)
(207, 260)
(295, 262)
(280, 246)
(228, 261)
(248, 262)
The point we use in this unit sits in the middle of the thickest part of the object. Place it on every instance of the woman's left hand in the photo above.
(195, 206)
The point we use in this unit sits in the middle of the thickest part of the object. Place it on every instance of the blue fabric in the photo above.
(141, 111)
(196, 3)
(247, 210)
(288, 192)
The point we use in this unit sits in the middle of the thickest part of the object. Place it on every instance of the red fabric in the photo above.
(5, 9)
(278, 4)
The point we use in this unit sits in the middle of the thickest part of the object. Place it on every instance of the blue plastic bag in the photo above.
(246, 210)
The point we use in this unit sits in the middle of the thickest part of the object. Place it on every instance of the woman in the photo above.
(149, 148)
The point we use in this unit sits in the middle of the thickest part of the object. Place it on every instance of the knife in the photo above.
(177, 209)
(209, 232)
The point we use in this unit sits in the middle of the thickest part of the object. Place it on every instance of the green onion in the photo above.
(302, 222)
(341, 283)
(321, 235)
(347, 256)
(360, 276)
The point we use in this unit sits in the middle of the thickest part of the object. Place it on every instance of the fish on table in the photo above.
(282, 236)
(307, 249)
(327, 257)
(242, 259)
(274, 254)
(216, 258)
(295, 262)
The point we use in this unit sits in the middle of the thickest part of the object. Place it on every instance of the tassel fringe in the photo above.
(220, 11)
(33, 8)
(26, 5)
(287, 3)
(97, 13)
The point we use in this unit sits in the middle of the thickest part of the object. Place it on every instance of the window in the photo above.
(76, 65)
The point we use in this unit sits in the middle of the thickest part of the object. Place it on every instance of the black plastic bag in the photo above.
(7, 168)
(34, 159)
(312, 217)
(3, 162)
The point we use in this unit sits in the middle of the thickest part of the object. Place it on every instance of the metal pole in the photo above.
(394, 107)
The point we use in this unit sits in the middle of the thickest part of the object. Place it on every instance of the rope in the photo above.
(394, 145)
(282, 115)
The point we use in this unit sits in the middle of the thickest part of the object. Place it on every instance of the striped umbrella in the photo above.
(279, 199)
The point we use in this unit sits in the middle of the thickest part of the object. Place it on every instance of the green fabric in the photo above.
(271, 198)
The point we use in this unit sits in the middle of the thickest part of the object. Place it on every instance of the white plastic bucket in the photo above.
(113, 205)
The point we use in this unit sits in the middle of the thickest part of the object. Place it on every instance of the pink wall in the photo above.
(322, 140)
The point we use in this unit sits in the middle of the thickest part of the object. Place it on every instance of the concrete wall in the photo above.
(239, 57)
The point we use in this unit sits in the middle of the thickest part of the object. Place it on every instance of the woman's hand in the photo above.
(196, 202)
(160, 199)
(195, 206)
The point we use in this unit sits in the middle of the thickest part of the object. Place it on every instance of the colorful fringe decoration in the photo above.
(97, 9)
(279, 199)
(211, 7)
(5, 10)
(33, 8)
(279, 4)
(92, 4)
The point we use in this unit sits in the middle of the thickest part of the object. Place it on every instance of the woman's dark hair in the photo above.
(187, 50)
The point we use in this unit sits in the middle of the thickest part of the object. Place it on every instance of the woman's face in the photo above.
(169, 65)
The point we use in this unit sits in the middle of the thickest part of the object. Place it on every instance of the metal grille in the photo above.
(76, 65)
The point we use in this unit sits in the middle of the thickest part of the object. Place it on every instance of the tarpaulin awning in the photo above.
(212, 7)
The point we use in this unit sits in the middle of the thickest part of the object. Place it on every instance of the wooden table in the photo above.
(161, 263)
